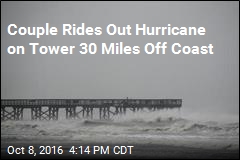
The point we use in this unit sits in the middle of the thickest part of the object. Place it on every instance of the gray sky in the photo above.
(205, 82)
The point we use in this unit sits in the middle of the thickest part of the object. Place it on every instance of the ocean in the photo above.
(150, 135)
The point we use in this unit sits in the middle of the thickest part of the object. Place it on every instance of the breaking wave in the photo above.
(158, 129)
(170, 125)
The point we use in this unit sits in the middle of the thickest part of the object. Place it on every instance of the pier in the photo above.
(48, 109)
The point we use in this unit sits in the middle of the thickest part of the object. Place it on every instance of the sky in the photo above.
(206, 83)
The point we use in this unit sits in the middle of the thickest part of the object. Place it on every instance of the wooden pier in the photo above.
(48, 109)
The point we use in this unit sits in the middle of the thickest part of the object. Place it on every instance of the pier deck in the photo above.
(48, 109)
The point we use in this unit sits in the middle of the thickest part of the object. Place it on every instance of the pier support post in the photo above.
(100, 113)
(8, 114)
(53, 113)
(3, 117)
(70, 112)
(36, 113)
(91, 112)
(18, 113)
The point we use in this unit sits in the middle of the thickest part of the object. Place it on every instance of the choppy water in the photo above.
(170, 130)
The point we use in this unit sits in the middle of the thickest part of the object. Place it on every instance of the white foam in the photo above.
(133, 128)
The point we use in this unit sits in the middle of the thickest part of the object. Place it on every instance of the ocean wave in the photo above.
(162, 130)
(171, 125)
